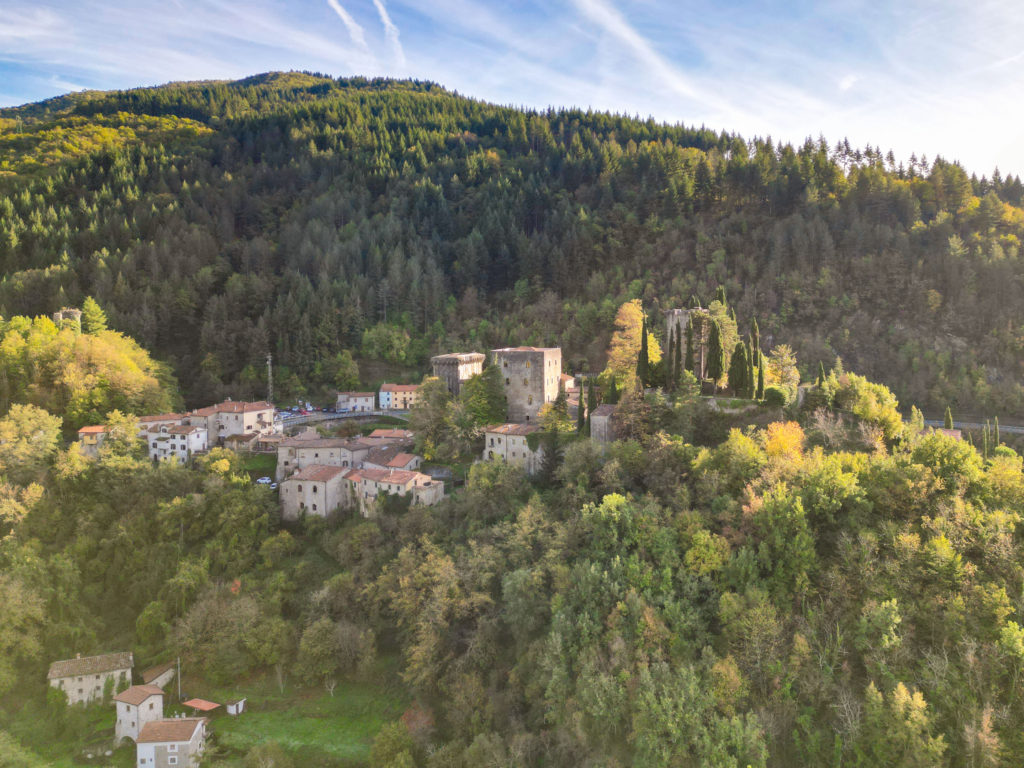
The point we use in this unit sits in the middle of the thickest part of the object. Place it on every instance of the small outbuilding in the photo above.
(235, 707)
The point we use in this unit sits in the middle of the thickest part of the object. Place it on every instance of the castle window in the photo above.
(530, 400)
(526, 383)
(505, 364)
(507, 382)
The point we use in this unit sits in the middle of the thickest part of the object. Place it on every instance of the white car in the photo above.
(264, 480)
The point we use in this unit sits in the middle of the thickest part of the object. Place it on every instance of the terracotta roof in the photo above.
(97, 430)
(184, 429)
(325, 442)
(392, 433)
(399, 387)
(398, 476)
(381, 456)
(462, 357)
(358, 394)
(234, 406)
(512, 429)
(246, 437)
(317, 473)
(138, 694)
(401, 460)
(161, 417)
(90, 665)
(171, 729)
(354, 475)
(201, 704)
(153, 673)
(603, 410)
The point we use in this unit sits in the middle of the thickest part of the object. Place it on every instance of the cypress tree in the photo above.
(716, 355)
(642, 363)
(738, 370)
(591, 402)
(755, 336)
(677, 374)
(996, 435)
(580, 407)
(613, 392)
(948, 423)
(670, 367)
(720, 296)
(751, 376)
(760, 379)
(821, 374)
(688, 365)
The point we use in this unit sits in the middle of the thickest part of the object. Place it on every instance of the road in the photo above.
(1013, 429)
(315, 418)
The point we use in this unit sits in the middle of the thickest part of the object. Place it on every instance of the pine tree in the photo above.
(716, 355)
(94, 319)
(948, 423)
(688, 365)
(643, 372)
(738, 370)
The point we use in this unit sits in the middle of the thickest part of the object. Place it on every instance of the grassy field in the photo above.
(317, 729)
(260, 464)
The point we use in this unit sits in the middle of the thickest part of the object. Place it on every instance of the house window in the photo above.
(505, 364)
(172, 760)
(527, 363)
(300, 489)
(151, 705)
(315, 488)
(314, 507)
(172, 747)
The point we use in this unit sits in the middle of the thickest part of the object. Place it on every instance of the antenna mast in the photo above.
(270, 378)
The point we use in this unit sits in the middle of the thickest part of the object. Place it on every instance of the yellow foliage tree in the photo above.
(625, 345)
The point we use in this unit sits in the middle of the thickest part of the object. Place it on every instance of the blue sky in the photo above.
(934, 77)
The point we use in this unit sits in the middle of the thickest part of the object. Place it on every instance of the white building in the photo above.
(356, 402)
(135, 707)
(176, 742)
(368, 483)
(177, 442)
(146, 423)
(84, 679)
(508, 442)
(234, 417)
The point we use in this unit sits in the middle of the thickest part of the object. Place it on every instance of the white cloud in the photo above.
(391, 32)
(848, 82)
(355, 32)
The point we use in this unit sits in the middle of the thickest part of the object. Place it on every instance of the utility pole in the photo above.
(270, 378)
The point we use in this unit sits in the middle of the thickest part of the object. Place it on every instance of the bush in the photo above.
(775, 397)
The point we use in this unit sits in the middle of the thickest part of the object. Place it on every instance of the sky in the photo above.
(931, 77)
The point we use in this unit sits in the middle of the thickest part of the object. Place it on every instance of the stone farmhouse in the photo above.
(234, 417)
(83, 679)
(391, 458)
(315, 490)
(508, 443)
(398, 397)
(161, 675)
(390, 437)
(146, 423)
(90, 439)
(135, 707)
(179, 442)
(176, 742)
(308, 448)
(356, 402)
(456, 368)
(530, 376)
(368, 483)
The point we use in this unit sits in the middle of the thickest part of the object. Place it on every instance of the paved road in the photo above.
(1008, 428)
(315, 418)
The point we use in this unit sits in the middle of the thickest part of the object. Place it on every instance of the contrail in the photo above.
(391, 31)
(354, 30)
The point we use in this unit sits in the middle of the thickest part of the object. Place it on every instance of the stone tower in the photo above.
(530, 376)
(456, 368)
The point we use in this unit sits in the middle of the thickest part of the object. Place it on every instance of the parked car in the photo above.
(264, 480)
(273, 486)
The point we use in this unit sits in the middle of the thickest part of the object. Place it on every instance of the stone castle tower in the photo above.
(530, 376)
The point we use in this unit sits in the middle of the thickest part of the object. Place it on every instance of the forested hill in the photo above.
(302, 215)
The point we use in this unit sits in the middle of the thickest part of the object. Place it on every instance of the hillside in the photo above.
(290, 213)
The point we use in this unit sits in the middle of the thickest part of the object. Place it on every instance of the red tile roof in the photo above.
(177, 729)
(399, 387)
(317, 473)
(153, 673)
(528, 349)
(183, 429)
(358, 394)
(97, 430)
(463, 357)
(401, 460)
(138, 694)
(392, 433)
(234, 406)
(397, 476)
(512, 429)
(161, 417)
(201, 704)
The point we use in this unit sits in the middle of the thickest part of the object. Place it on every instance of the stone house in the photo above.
(244, 443)
(303, 451)
(456, 368)
(135, 707)
(314, 490)
(602, 424)
(161, 675)
(355, 402)
(90, 439)
(234, 417)
(176, 742)
(179, 442)
(390, 437)
(398, 397)
(146, 423)
(83, 679)
(530, 376)
(676, 320)
(508, 443)
(391, 458)
(368, 483)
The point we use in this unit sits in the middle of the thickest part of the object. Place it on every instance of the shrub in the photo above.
(775, 397)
